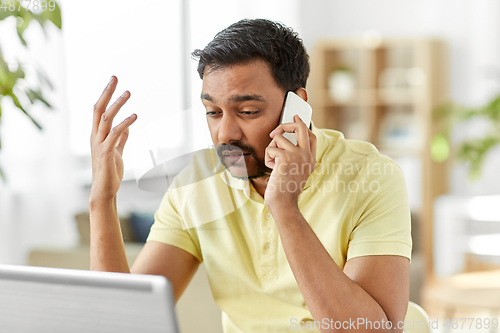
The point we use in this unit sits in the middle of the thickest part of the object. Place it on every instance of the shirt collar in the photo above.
(234, 182)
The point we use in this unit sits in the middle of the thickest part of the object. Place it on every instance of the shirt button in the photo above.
(267, 247)
(268, 216)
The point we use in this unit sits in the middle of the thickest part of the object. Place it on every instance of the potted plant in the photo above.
(475, 150)
(13, 81)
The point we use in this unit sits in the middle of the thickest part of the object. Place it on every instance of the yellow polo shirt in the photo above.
(355, 201)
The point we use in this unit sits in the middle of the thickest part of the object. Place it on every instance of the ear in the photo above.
(302, 93)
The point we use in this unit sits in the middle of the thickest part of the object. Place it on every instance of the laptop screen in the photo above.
(39, 299)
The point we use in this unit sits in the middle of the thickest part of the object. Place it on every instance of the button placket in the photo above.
(267, 230)
(267, 246)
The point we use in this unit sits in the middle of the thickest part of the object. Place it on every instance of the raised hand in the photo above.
(107, 144)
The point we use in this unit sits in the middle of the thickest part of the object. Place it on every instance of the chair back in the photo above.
(416, 320)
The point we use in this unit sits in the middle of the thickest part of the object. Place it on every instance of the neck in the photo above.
(260, 184)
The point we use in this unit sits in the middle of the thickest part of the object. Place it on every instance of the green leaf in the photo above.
(19, 106)
(2, 60)
(8, 78)
(4, 72)
(36, 95)
(440, 148)
(40, 19)
(20, 35)
(5, 13)
(19, 73)
(492, 110)
(475, 151)
(27, 16)
(44, 78)
(53, 16)
(442, 111)
(2, 175)
(4, 77)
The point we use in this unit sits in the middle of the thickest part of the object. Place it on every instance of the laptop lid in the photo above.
(40, 299)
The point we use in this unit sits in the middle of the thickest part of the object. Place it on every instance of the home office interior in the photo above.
(419, 80)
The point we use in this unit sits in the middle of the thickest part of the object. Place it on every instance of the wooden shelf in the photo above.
(399, 151)
(366, 97)
(396, 81)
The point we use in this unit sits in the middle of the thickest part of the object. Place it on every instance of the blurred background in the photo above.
(419, 79)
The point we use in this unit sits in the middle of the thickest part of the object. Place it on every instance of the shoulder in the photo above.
(355, 155)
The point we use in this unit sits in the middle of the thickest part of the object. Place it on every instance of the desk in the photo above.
(478, 289)
(472, 292)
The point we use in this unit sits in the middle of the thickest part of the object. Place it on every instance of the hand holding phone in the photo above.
(294, 105)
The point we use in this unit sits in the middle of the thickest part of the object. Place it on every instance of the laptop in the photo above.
(40, 299)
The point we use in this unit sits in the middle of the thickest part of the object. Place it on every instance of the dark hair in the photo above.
(278, 45)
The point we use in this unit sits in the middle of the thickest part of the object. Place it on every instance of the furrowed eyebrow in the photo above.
(206, 97)
(244, 98)
(236, 98)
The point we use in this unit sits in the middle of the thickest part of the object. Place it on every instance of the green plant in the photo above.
(341, 68)
(473, 151)
(12, 74)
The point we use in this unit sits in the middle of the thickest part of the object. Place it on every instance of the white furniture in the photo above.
(416, 320)
(465, 227)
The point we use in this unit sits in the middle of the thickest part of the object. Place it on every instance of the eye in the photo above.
(211, 113)
(249, 113)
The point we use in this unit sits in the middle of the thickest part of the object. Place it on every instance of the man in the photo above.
(320, 237)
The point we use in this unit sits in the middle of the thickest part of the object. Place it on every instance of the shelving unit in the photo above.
(392, 87)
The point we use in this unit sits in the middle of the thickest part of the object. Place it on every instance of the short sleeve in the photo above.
(381, 222)
(168, 228)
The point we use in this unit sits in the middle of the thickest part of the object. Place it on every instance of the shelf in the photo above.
(361, 97)
(395, 85)
(367, 97)
(399, 151)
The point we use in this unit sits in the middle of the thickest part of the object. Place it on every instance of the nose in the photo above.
(228, 129)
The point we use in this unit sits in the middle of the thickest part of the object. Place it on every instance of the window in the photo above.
(140, 43)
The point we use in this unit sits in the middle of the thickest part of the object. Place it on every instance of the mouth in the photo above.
(234, 153)
(234, 157)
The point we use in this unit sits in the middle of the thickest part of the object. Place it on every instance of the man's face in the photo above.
(243, 105)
